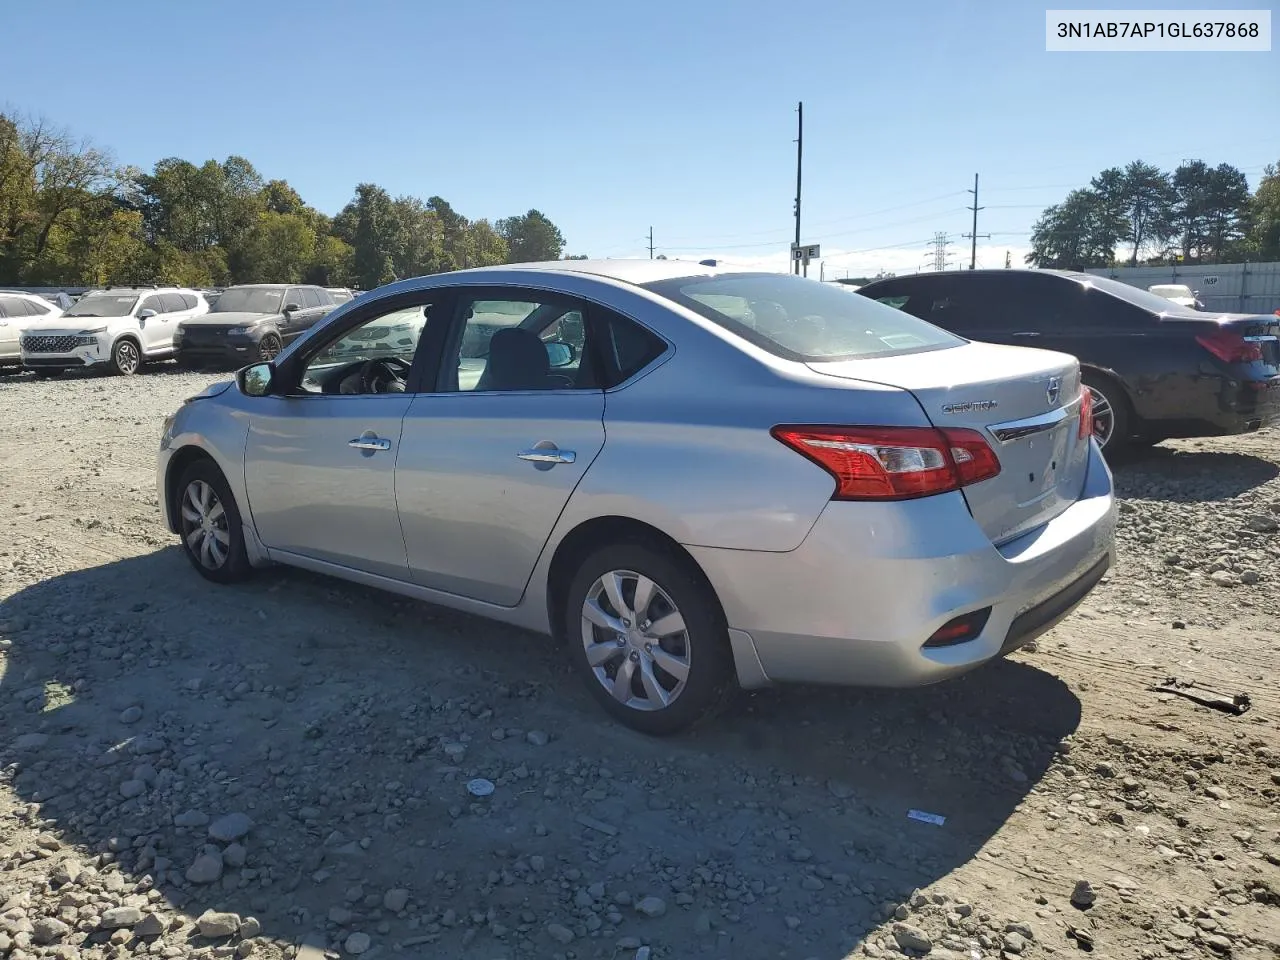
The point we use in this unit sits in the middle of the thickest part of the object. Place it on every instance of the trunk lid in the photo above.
(1257, 359)
(1025, 402)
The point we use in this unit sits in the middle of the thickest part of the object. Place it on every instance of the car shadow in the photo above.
(1189, 476)
(138, 702)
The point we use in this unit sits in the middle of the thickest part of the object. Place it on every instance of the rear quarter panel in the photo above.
(688, 449)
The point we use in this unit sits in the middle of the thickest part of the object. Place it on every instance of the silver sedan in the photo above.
(702, 479)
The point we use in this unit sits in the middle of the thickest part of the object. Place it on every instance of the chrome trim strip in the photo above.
(1020, 429)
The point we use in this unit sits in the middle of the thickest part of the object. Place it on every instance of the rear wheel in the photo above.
(126, 357)
(1111, 420)
(648, 637)
(210, 526)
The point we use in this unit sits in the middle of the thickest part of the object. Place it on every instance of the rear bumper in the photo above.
(1223, 406)
(856, 601)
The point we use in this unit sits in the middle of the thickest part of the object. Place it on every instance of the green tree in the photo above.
(531, 238)
(1265, 236)
(281, 247)
(368, 223)
(1073, 234)
(1148, 201)
(487, 246)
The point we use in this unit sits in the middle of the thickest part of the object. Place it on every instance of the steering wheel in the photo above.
(384, 375)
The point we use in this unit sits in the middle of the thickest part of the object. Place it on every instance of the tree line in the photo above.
(1142, 214)
(69, 216)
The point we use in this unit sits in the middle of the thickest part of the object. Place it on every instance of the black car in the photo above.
(1156, 370)
(250, 323)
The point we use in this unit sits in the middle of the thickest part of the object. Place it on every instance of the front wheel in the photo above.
(210, 525)
(269, 348)
(126, 358)
(648, 637)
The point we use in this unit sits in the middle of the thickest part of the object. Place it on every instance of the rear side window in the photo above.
(189, 301)
(173, 302)
(6, 307)
(310, 298)
(800, 319)
(322, 296)
(629, 347)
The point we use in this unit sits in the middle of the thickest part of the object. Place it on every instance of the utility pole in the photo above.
(795, 264)
(973, 237)
(651, 243)
(1007, 261)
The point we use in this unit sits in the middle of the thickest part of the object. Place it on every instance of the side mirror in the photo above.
(291, 308)
(144, 315)
(255, 380)
(559, 353)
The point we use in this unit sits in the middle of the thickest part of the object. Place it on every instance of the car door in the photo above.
(9, 322)
(321, 449)
(290, 322)
(151, 329)
(489, 459)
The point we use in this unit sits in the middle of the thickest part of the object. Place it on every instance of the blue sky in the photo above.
(680, 114)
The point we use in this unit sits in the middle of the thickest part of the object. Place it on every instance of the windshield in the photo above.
(801, 319)
(248, 300)
(102, 305)
(1139, 298)
(1170, 290)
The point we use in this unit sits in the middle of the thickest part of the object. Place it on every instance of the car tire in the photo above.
(209, 524)
(269, 347)
(1110, 406)
(126, 357)
(692, 666)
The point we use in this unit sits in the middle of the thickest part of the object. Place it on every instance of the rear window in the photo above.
(800, 319)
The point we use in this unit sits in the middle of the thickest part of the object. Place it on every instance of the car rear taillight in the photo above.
(893, 463)
(1230, 347)
(1086, 412)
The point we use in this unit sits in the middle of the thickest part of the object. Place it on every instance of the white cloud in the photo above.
(839, 263)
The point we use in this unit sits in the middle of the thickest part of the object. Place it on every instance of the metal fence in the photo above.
(1226, 287)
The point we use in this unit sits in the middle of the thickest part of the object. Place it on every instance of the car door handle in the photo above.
(369, 443)
(547, 455)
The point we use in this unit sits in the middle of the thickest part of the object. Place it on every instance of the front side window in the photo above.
(154, 302)
(374, 357)
(800, 319)
(248, 300)
(103, 305)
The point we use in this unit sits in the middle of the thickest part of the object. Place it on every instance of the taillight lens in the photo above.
(1230, 347)
(1086, 412)
(893, 463)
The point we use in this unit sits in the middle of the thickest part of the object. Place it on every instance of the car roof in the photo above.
(267, 286)
(627, 271)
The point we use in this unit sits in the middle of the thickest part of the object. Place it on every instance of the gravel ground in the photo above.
(280, 769)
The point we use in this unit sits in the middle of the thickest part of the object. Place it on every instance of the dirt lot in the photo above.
(280, 768)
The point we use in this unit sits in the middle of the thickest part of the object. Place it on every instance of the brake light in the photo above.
(893, 463)
(1086, 412)
(1230, 347)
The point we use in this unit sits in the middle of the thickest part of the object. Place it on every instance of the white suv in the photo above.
(120, 327)
(18, 311)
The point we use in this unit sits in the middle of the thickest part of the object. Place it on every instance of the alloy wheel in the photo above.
(635, 640)
(204, 525)
(1104, 418)
(268, 349)
(127, 357)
